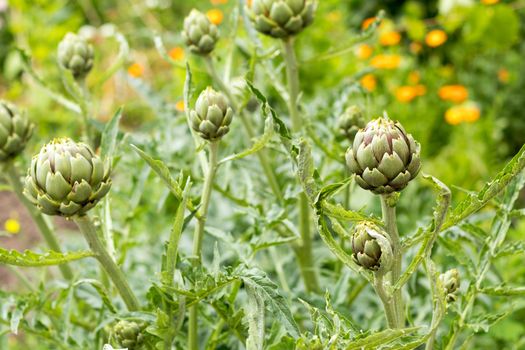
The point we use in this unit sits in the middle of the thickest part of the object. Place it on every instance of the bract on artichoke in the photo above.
(128, 334)
(199, 33)
(76, 55)
(15, 130)
(281, 18)
(212, 115)
(350, 122)
(371, 247)
(66, 178)
(384, 158)
(451, 283)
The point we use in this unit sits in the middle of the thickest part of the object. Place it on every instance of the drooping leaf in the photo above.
(32, 259)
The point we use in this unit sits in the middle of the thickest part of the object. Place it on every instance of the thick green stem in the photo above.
(386, 300)
(193, 341)
(114, 272)
(43, 225)
(389, 219)
(305, 252)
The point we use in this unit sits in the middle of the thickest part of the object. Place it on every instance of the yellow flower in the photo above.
(454, 93)
(420, 89)
(389, 38)
(489, 2)
(471, 112)
(369, 82)
(179, 106)
(503, 75)
(215, 16)
(386, 61)
(367, 22)
(468, 112)
(12, 226)
(177, 53)
(136, 70)
(414, 77)
(218, 2)
(334, 16)
(435, 38)
(364, 51)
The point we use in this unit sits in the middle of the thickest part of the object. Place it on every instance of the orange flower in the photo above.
(414, 77)
(386, 61)
(471, 113)
(468, 112)
(136, 70)
(369, 82)
(215, 16)
(389, 38)
(179, 106)
(364, 51)
(503, 75)
(415, 47)
(420, 89)
(435, 38)
(177, 53)
(218, 2)
(405, 94)
(367, 22)
(454, 93)
(489, 2)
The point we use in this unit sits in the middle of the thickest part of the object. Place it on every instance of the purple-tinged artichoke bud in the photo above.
(371, 247)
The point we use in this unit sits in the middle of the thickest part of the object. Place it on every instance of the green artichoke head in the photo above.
(66, 178)
(451, 283)
(350, 122)
(281, 18)
(15, 130)
(371, 247)
(199, 33)
(212, 115)
(383, 157)
(128, 334)
(76, 55)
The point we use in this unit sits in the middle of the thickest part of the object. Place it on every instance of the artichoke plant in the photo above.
(212, 115)
(76, 55)
(371, 247)
(66, 178)
(281, 18)
(383, 157)
(128, 334)
(451, 283)
(15, 130)
(350, 122)
(199, 33)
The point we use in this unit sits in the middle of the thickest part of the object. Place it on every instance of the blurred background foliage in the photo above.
(450, 71)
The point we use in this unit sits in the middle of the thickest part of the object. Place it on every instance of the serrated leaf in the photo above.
(483, 323)
(109, 135)
(255, 316)
(32, 259)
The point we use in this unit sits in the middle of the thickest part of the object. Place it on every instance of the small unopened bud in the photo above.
(371, 247)
(76, 55)
(350, 122)
(199, 33)
(212, 116)
(451, 283)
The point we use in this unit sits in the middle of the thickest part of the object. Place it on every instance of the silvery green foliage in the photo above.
(384, 158)
(76, 55)
(212, 115)
(281, 18)
(199, 33)
(66, 178)
(15, 130)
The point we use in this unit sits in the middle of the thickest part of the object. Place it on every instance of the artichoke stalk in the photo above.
(383, 157)
(199, 33)
(15, 131)
(281, 18)
(212, 115)
(371, 247)
(76, 55)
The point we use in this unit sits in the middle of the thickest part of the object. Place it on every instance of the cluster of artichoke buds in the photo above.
(199, 33)
(15, 130)
(212, 115)
(350, 122)
(281, 18)
(128, 334)
(371, 247)
(383, 157)
(451, 282)
(76, 55)
(66, 178)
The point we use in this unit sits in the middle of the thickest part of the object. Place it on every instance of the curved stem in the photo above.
(193, 341)
(389, 219)
(43, 225)
(386, 300)
(101, 254)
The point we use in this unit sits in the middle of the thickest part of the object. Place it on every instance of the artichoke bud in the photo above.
(199, 33)
(66, 178)
(383, 157)
(350, 122)
(451, 282)
(15, 130)
(128, 334)
(371, 247)
(76, 55)
(281, 18)
(212, 115)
